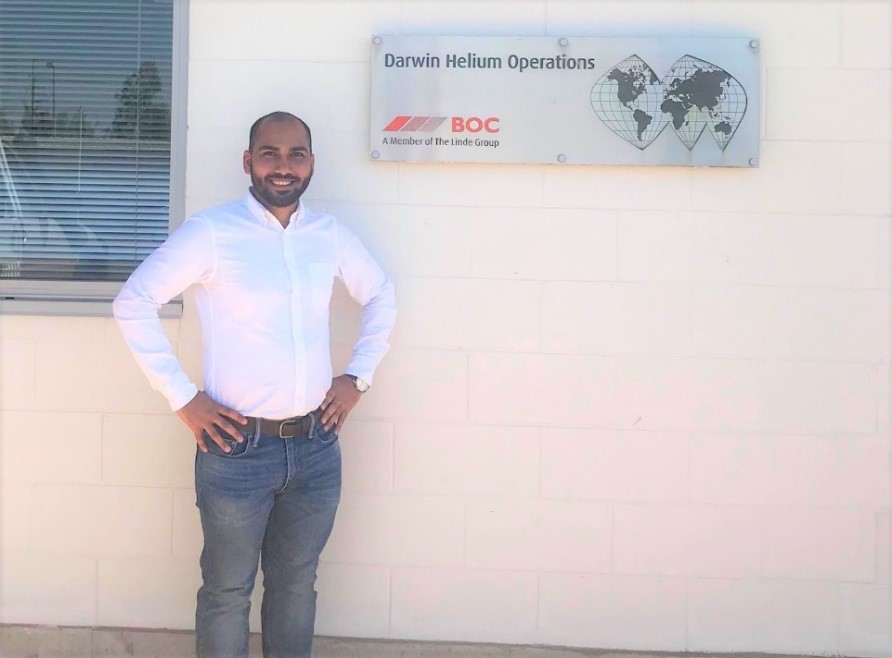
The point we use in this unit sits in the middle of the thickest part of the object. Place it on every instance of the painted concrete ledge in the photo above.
(73, 642)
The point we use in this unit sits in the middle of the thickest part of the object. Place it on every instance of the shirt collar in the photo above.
(264, 216)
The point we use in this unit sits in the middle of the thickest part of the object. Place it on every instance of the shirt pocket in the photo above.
(321, 280)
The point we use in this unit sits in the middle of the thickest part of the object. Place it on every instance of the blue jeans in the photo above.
(274, 500)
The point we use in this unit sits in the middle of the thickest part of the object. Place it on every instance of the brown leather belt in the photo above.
(289, 428)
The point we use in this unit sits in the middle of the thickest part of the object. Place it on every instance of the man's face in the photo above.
(280, 163)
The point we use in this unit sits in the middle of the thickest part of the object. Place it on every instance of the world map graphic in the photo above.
(694, 94)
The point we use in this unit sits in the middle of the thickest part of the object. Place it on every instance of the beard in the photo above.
(270, 196)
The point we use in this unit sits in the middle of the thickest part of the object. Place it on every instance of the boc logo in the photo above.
(406, 123)
(475, 124)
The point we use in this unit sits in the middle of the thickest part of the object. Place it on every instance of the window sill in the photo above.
(74, 307)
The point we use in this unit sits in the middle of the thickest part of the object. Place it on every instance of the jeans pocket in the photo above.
(236, 449)
(323, 435)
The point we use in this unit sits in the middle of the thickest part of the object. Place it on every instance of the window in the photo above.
(89, 93)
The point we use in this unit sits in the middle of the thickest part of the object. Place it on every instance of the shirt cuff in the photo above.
(362, 367)
(181, 397)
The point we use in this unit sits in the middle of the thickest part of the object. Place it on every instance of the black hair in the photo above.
(277, 116)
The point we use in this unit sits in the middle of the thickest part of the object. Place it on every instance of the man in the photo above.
(267, 468)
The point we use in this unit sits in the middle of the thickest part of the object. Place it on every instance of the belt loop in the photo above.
(312, 425)
(256, 432)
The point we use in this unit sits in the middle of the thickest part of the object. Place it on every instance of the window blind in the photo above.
(85, 93)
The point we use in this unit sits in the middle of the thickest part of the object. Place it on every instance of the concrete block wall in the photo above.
(635, 408)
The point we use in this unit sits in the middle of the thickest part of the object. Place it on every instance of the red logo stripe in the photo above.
(396, 124)
(414, 124)
(432, 124)
(410, 124)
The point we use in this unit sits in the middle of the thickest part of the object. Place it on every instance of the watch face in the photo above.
(361, 386)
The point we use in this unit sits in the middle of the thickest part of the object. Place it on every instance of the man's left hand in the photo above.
(339, 402)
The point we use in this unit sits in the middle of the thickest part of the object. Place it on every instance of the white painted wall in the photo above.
(638, 408)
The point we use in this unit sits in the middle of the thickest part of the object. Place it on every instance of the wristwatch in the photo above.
(360, 384)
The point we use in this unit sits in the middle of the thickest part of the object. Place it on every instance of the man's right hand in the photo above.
(202, 414)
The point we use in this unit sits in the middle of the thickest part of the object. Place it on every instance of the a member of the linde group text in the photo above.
(474, 61)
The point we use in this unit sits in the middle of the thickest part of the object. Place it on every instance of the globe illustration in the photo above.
(728, 114)
(627, 99)
(698, 94)
(694, 95)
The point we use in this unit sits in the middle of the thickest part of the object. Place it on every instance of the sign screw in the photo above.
(562, 157)
(754, 44)
(375, 155)
(564, 43)
(377, 41)
(753, 162)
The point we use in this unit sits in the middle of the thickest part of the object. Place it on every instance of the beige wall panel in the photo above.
(626, 407)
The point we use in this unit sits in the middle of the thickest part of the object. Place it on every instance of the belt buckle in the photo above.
(289, 421)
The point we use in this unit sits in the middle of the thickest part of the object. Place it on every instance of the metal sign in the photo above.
(573, 100)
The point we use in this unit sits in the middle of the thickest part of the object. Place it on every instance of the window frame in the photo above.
(93, 298)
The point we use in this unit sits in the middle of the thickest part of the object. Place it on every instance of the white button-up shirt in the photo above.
(262, 295)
